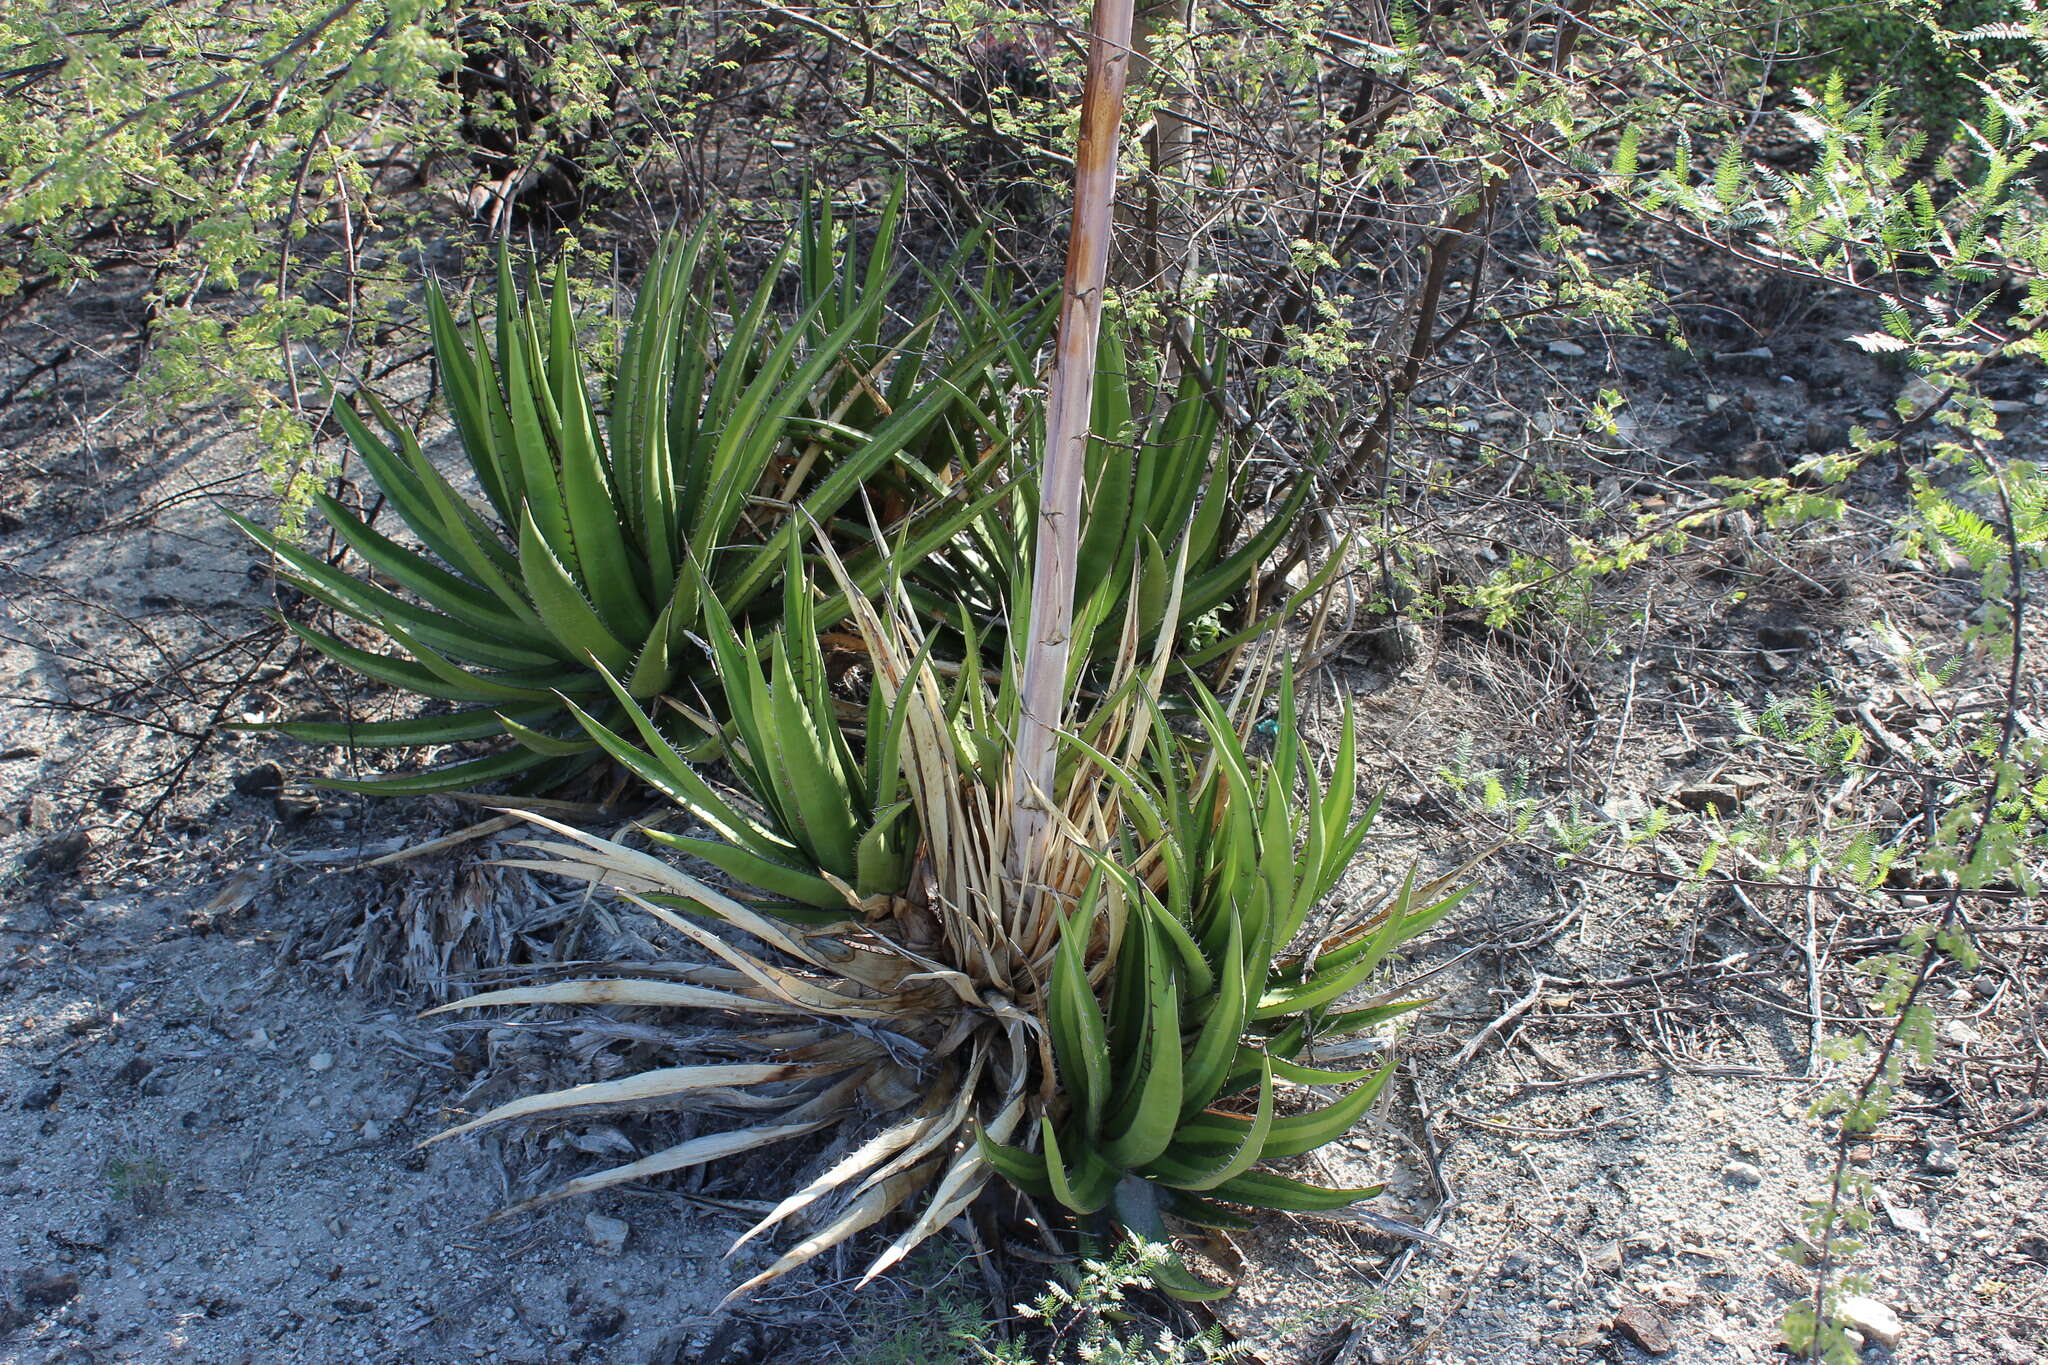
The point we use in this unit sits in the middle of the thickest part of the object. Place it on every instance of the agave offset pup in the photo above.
(601, 539)
(1119, 1044)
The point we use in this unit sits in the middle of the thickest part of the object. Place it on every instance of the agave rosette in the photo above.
(596, 545)
(1084, 1043)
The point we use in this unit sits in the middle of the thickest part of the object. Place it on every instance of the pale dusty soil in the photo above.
(212, 1082)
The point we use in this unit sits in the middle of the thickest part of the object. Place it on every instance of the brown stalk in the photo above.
(1070, 390)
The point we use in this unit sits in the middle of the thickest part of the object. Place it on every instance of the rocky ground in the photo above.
(213, 1083)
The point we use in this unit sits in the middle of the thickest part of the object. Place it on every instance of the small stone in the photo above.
(1742, 1173)
(1570, 350)
(1920, 395)
(1786, 637)
(42, 1094)
(40, 813)
(604, 1323)
(48, 1288)
(1822, 435)
(1876, 1321)
(264, 777)
(1756, 357)
(608, 1235)
(603, 1141)
(1606, 1258)
(1645, 1328)
(296, 810)
(1943, 1157)
(1397, 641)
(1746, 785)
(1906, 1218)
(319, 1062)
(1710, 796)
(60, 853)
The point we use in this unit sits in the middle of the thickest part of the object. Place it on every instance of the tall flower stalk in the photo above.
(1042, 681)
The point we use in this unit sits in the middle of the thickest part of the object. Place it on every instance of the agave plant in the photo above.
(598, 545)
(925, 984)
(836, 831)
(1165, 495)
(1203, 1008)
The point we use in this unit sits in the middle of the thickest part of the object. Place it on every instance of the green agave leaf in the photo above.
(1314, 1075)
(668, 772)
(1209, 1060)
(533, 424)
(1082, 1190)
(1207, 1213)
(388, 613)
(568, 613)
(482, 723)
(609, 574)
(1025, 1170)
(1147, 1127)
(845, 480)
(462, 382)
(883, 856)
(458, 533)
(1079, 1037)
(1401, 926)
(812, 788)
(540, 742)
(1298, 1133)
(409, 675)
(1214, 1148)
(433, 585)
(765, 875)
(453, 777)
(1264, 1190)
(1351, 1021)
(1137, 1204)
(1264, 624)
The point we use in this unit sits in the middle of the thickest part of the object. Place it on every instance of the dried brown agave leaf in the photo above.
(695, 1152)
(620, 991)
(644, 1088)
(876, 1150)
(864, 1212)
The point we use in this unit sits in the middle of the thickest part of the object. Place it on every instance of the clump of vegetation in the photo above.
(997, 860)
(1010, 909)
(140, 1180)
(612, 529)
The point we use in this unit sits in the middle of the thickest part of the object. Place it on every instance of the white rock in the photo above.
(1876, 1321)
(1571, 350)
(608, 1235)
(321, 1061)
(1906, 1218)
